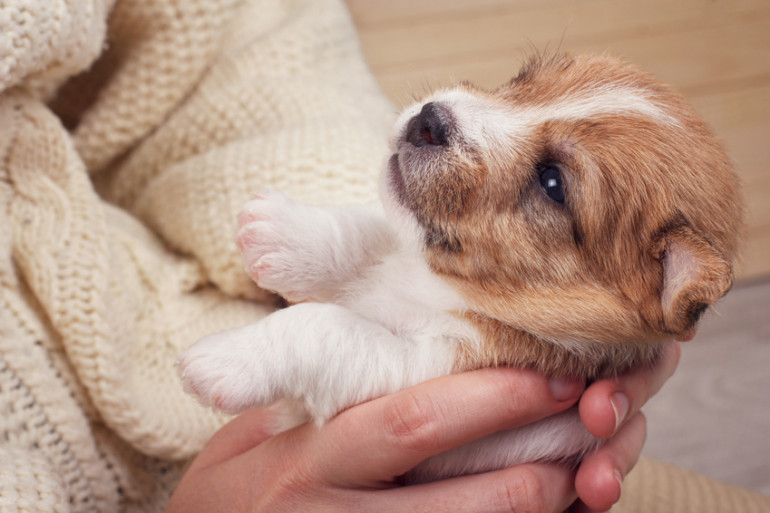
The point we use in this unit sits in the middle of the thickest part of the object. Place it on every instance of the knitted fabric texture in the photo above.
(130, 135)
(44, 42)
(117, 221)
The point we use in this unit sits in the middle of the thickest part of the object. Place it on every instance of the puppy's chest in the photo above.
(403, 295)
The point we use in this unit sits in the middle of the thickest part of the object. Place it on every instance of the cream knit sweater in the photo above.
(118, 191)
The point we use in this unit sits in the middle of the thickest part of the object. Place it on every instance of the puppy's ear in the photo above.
(695, 275)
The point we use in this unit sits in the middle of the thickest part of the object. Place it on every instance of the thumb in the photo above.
(241, 434)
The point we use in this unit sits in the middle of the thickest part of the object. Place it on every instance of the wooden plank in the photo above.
(755, 255)
(431, 39)
(370, 15)
(376, 13)
(700, 61)
(741, 118)
(737, 53)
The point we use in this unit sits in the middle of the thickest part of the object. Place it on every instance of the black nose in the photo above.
(430, 126)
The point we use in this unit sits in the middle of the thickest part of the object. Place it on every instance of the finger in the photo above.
(535, 487)
(388, 436)
(606, 404)
(241, 434)
(579, 507)
(600, 476)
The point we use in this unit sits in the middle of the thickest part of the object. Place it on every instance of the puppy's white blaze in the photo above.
(605, 100)
(489, 125)
(480, 121)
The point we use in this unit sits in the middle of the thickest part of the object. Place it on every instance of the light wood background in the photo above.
(716, 52)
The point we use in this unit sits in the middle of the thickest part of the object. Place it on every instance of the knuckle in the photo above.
(411, 423)
(523, 492)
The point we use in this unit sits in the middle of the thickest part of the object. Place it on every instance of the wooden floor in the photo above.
(716, 52)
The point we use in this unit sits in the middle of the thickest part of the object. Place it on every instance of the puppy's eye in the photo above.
(551, 182)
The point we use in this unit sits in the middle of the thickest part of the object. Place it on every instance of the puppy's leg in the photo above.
(323, 355)
(303, 252)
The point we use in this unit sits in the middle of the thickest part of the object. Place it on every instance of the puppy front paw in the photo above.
(222, 375)
(276, 238)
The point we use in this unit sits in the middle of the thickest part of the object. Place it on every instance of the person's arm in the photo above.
(352, 462)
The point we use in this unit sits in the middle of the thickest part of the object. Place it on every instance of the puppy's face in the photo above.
(583, 202)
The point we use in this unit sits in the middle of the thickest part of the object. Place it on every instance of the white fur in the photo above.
(489, 126)
(391, 324)
(322, 354)
(304, 252)
(560, 437)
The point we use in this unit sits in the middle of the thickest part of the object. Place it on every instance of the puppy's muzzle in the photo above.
(431, 126)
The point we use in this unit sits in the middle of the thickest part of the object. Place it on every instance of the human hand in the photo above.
(351, 463)
(609, 409)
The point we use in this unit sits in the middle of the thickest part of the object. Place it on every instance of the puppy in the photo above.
(569, 221)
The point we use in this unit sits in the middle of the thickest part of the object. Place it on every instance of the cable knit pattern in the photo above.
(117, 203)
(30, 483)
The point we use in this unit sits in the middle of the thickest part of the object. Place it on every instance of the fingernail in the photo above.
(565, 389)
(619, 479)
(619, 403)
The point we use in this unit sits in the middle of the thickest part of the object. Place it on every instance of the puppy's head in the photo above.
(583, 202)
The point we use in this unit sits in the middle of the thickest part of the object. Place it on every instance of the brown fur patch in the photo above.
(503, 345)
